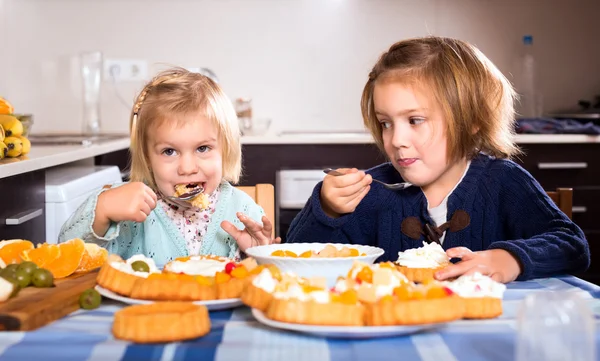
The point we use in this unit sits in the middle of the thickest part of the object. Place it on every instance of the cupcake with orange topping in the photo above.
(414, 304)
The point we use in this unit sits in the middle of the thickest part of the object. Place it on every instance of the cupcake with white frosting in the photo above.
(420, 264)
(482, 295)
(119, 275)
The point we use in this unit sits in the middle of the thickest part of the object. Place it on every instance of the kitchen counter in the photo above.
(365, 138)
(46, 156)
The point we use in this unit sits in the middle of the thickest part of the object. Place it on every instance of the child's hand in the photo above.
(255, 234)
(130, 202)
(498, 264)
(342, 194)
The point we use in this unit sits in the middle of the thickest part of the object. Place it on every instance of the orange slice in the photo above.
(71, 253)
(10, 250)
(6, 107)
(94, 257)
(42, 255)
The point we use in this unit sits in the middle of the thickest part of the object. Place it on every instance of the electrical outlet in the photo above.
(123, 70)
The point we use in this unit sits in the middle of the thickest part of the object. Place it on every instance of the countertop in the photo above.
(46, 156)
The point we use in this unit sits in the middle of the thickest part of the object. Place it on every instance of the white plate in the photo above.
(212, 305)
(330, 268)
(354, 332)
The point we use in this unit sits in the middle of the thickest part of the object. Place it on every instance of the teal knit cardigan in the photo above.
(157, 237)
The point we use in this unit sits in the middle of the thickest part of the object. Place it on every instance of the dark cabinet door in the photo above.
(22, 210)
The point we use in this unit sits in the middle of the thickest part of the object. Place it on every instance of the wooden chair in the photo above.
(264, 196)
(563, 197)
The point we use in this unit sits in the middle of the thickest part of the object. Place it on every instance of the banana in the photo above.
(3, 150)
(1, 133)
(15, 146)
(12, 126)
(26, 144)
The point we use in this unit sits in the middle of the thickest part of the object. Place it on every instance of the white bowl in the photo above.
(330, 268)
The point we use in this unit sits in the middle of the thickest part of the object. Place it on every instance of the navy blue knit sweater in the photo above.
(508, 210)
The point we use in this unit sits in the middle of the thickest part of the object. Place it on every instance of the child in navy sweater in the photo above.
(443, 115)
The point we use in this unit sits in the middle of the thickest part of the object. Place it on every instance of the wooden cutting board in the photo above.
(35, 307)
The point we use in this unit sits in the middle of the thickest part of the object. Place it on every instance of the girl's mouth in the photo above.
(405, 162)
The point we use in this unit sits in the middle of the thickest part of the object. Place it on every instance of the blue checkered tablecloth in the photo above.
(236, 336)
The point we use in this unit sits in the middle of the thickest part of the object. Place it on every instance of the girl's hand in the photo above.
(498, 264)
(255, 234)
(129, 202)
(342, 194)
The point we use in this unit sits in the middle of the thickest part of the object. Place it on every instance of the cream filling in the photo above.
(197, 266)
(265, 281)
(431, 255)
(476, 286)
(296, 292)
(126, 266)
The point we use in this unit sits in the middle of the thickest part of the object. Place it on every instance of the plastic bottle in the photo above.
(530, 96)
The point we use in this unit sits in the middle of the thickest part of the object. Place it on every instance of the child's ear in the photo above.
(475, 130)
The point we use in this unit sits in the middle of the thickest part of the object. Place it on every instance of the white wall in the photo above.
(304, 62)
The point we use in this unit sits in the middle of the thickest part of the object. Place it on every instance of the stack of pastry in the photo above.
(420, 264)
(481, 294)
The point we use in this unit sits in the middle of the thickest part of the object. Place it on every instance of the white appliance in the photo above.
(296, 186)
(66, 189)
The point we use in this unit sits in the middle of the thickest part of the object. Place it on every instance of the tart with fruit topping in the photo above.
(420, 264)
(371, 282)
(161, 322)
(119, 276)
(197, 278)
(262, 282)
(199, 201)
(313, 305)
(412, 304)
(482, 295)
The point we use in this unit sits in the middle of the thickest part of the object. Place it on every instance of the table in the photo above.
(236, 336)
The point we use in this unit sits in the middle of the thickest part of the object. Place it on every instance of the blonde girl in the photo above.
(184, 131)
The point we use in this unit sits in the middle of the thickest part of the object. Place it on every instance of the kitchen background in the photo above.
(303, 62)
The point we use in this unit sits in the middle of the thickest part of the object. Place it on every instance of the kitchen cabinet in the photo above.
(22, 214)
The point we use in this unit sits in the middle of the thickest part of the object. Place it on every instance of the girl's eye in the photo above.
(203, 149)
(416, 121)
(385, 124)
(168, 152)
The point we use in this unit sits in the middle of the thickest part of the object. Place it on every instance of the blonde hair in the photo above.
(476, 99)
(176, 92)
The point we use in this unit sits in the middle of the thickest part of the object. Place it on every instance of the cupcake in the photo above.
(371, 281)
(229, 277)
(161, 322)
(260, 288)
(420, 264)
(312, 305)
(482, 295)
(119, 276)
(415, 304)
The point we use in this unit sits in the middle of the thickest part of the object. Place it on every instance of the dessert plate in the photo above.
(353, 332)
(211, 305)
